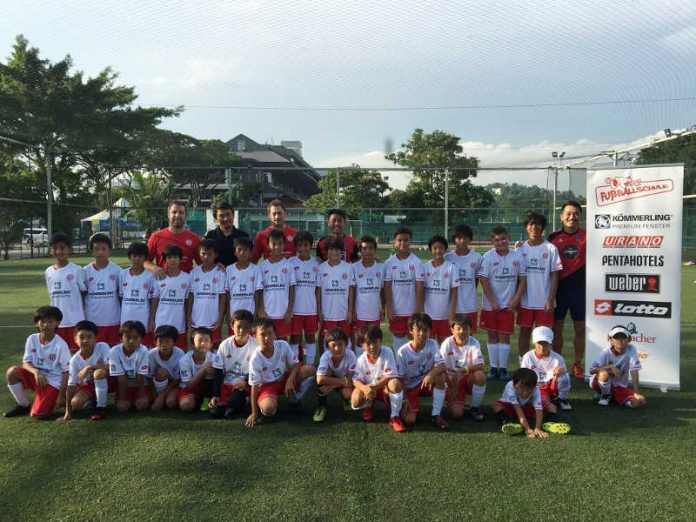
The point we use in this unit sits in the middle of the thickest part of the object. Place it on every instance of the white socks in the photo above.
(160, 386)
(303, 388)
(563, 386)
(310, 352)
(438, 400)
(477, 393)
(295, 349)
(503, 353)
(399, 342)
(17, 391)
(604, 386)
(493, 354)
(396, 400)
(101, 388)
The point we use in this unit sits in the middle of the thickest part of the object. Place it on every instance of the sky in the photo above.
(515, 80)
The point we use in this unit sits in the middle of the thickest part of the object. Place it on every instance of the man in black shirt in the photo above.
(225, 233)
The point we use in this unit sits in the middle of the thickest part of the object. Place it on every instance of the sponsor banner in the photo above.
(634, 218)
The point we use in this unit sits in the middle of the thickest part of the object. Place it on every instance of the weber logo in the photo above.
(633, 241)
(657, 310)
(635, 283)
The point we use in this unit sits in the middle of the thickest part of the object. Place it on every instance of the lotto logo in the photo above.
(602, 307)
(657, 310)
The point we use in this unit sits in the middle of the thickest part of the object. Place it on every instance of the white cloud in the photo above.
(683, 40)
(194, 74)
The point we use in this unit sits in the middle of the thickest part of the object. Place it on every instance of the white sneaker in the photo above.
(565, 404)
(604, 401)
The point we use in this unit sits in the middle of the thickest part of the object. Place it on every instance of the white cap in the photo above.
(618, 329)
(542, 334)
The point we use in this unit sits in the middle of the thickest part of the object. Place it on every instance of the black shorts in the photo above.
(570, 298)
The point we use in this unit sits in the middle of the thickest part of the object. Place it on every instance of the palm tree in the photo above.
(148, 196)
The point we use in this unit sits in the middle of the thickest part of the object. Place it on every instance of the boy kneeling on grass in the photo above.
(335, 371)
(44, 368)
(520, 401)
(275, 369)
(196, 372)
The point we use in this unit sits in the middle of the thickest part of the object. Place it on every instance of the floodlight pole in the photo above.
(446, 203)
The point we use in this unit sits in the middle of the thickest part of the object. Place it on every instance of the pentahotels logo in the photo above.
(634, 283)
(656, 310)
(623, 188)
(633, 241)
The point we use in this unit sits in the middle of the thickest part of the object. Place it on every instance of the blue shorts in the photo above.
(573, 299)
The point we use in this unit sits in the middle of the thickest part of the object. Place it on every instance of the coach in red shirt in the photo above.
(174, 234)
(336, 223)
(276, 213)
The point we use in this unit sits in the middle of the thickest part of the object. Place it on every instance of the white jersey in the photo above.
(468, 268)
(102, 306)
(154, 362)
(540, 261)
(414, 365)
(52, 359)
(135, 292)
(264, 370)
(543, 366)
(457, 357)
(335, 282)
(188, 368)
(345, 366)
(172, 293)
(65, 285)
(129, 365)
(502, 273)
(206, 288)
(306, 279)
(439, 280)
(276, 280)
(510, 396)
(242, 285)
(403, 274)
(626, 363)
(233, 360)
(368, 371)
(100, 357)
(368, 287)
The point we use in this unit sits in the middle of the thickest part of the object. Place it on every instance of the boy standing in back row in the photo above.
(102, 305)
(468, 263)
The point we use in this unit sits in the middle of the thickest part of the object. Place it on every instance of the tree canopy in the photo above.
(678, 150)
(358, 188)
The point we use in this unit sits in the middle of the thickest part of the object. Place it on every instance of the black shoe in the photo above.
(17, 411)
(476, 414)
(296, 407)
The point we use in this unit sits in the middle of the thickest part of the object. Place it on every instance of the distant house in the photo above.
(279, 170)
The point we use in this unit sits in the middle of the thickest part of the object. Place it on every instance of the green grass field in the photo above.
(617, 464)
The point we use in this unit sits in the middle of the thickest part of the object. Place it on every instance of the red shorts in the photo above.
(304, 323)
(399, 326)
(359, 323)
(88, 389)
(328, 325)
(502, 321)
(473, 316)
(282, 330)
(273, 389)
(227, 389)
(381, 395)
(464, 386)
(109, 334)
(548, 393)
(45, 397)
(413, 395)
(509, 409)
(440, 329)
(196, 393)
(527, 318)
(67, 333)
(131, 393)
(619, 394)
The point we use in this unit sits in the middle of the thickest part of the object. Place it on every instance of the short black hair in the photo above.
(534, 218)
(461, 320)
(132, 326)
(48, 312)
(420, 320)
(178, 204)
(88, 326)
(262, 323)
(100, 238)
(335, 334)
(242, 315)
(275, 234)
(202, 330)
(61, 237)
(437, 238)
(208, 244)
(138, 249)
(571, 203)
(244, 242)
(369, 240)
(167, 331)
(369, 334)
(526, 377)
(304, 237)
(499, 230)
(335, 243)
(172, 250)
(222, 206)
(338, 212)
(403, 230)
(462, 230)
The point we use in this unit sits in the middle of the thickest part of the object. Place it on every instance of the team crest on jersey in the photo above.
(446, 276)
(52, 357)
(411, 268)
(265, 271)
(545, 255)
(125, 284)
(90, 279)
(189, 242)
(284, 270)
(378, 275)
(162, 285)
(360, 276)
(112, 277)
(472, 265)
(394, 267)
(70, 277)
(325, 274)
(197, 280)
(289, 238)
(515, 263)
(344, 276)
(184, 286)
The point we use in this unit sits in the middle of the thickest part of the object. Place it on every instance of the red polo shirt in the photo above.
(187, 241)
(261, 243)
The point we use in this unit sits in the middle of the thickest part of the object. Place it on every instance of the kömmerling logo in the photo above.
(618, 189)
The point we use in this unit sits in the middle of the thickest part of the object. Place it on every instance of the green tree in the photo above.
(678, 150)
(358, 188)
(74, 124)
(148, 196)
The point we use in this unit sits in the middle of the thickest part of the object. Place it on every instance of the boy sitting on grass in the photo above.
(335, 371)
(552, 375)
(128, 369)
(196, 373)
(163, 364)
